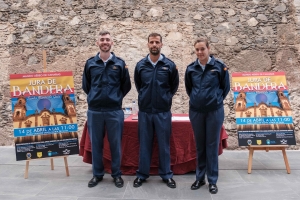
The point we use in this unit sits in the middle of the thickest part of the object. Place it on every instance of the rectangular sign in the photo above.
(44, 115)
(262, 108)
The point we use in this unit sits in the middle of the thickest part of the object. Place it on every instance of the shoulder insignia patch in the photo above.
(225, 68)
(114, 67)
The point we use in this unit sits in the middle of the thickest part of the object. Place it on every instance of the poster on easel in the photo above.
(262, 109)
(44, 115)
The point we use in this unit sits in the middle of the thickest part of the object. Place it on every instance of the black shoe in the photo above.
(170, 183)
(94, 181)
(119, 182)
(138, 182)
(213, 189)
(197, 184)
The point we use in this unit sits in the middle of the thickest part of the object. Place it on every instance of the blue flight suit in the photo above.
(207, 89)
(156, 85)
(105, 84)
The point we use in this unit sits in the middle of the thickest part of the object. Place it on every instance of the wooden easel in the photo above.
(267, 148)
(52, 165)
(51, 159)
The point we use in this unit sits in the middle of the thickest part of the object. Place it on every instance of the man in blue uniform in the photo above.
(207, 84)
(106, 81)
(156, 80)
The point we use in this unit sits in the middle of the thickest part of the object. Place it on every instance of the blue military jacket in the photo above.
(105, 86)
(156, 85)
(207, 89)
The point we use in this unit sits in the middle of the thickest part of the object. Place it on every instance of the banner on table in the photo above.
(262, 108)
(44, 115)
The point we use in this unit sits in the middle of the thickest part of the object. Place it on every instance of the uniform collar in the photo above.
(211, 61)
(203, 66)
(162, 58)
(111, 57)
(159, 59)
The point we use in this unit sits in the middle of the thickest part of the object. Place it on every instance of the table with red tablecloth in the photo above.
(182, 147)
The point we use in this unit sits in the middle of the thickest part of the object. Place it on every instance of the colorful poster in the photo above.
(44, 115)
(263, 110)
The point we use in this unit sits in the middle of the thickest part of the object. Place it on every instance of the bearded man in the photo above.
(106, 81)
(156, 80)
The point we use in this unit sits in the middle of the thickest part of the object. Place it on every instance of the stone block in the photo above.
(245, 12)
(85, 12)
(32, 60)
(35, 15)
(15, 6)
(46, 39)
(213, 39)
(217, 11)
(155, 12)
(267, 30)
(28, 37)
(286, 34)
(262, 17)
(61, 17)
(74, 21)
(3, 5)
(297, 3)
(174, 36)
(233, 19)
(230, 12)
(197, 16)
(251, 60)
(137, 14)
(33, 3)
(284, 19)
(62, 42)
(280, 8)
(252, 22)
(103, 16)
(231, 41)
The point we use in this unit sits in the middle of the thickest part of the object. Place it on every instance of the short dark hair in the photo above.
(155, 35)
(104, 33)
(202, 40)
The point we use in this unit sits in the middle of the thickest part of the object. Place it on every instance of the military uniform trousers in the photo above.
(207, 127)
(112, 123)
(148, 124)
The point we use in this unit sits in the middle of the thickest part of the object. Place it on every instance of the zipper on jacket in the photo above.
(153, 91)
(106, 76)
(201, 81)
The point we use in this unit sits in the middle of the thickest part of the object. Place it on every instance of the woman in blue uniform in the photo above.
(207, 84)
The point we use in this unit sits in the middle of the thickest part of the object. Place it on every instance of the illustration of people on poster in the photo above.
(263, 110)
(44, 115)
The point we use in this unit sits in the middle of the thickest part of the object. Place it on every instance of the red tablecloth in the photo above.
(183, 150)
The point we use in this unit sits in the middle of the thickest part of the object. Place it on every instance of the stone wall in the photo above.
(248, 35)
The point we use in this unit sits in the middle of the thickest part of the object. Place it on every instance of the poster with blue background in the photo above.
(263, 110)
(44, 115)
